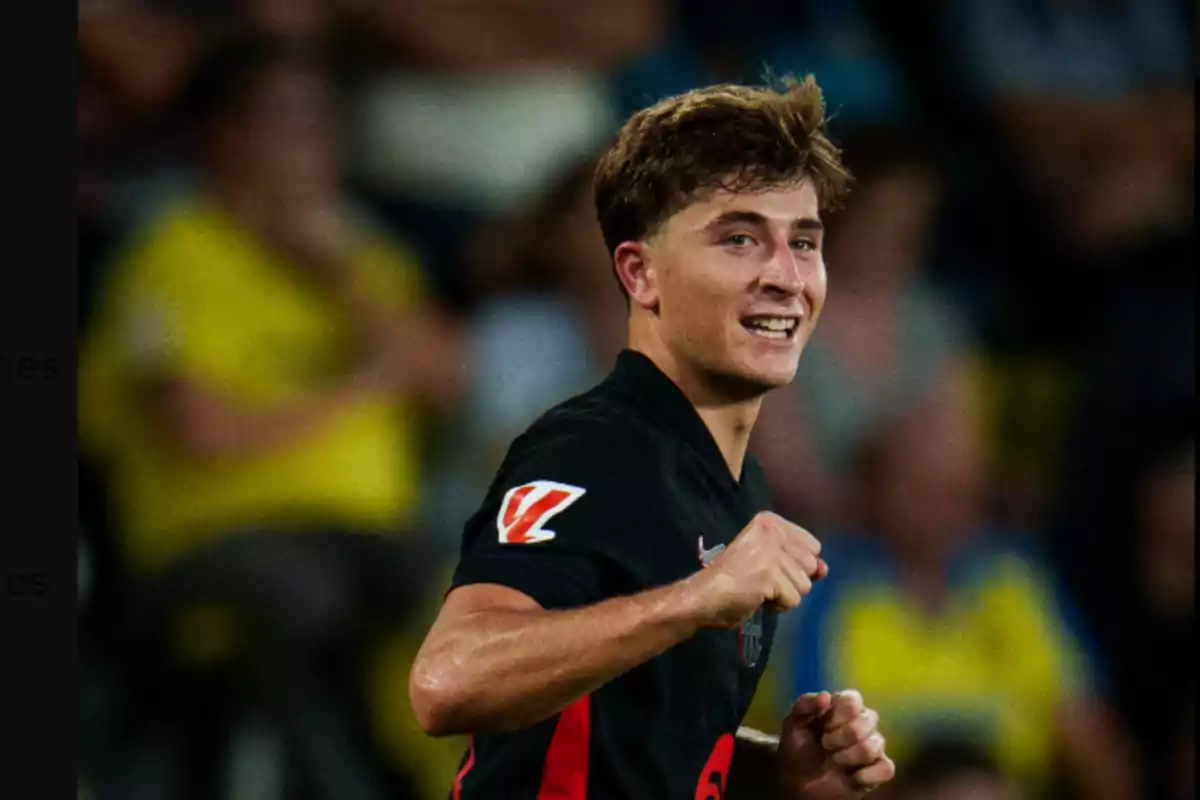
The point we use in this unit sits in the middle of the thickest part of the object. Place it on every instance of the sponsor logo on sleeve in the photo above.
(527, 508)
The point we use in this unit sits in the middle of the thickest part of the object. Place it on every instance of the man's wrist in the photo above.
(754, 773)
(689, 601)
(755, 738)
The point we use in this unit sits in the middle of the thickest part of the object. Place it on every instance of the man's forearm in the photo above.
(505, 669)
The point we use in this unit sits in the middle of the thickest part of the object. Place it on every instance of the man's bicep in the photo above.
(480, 597)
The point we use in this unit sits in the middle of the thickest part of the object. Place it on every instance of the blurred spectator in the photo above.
(886, 340)
(132, 64)
(474, 108)
(832, 39)
(1124, 555)
(1095, 99)
(142, 51)
(1167, 541)
(552, 327)
(953, 629)
(254, 388)
(134, 58)
(952, 770)
(1158, 655)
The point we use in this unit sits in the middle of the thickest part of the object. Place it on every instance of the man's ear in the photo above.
(637, 274)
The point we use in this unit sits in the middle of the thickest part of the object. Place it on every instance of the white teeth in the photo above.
(781, 324)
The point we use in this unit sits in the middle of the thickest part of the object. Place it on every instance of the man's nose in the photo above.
(783, 273)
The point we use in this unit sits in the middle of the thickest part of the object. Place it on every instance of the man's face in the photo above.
(739, 283)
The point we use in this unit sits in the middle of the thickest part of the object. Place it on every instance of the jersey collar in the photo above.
(667, 405)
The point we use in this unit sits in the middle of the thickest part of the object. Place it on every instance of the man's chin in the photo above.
(750, 381)
(773, 372)
(775, 379)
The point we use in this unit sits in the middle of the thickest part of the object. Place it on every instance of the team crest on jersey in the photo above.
(750, 634)
(527, 508)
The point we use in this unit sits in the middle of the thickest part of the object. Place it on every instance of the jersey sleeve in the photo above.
(556, 523)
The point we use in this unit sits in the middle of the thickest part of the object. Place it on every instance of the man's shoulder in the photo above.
(592, 441)
(582, 466)
(590, 425)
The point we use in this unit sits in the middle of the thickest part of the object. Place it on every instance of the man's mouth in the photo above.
(779, 328)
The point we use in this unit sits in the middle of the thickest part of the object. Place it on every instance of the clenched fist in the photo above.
(831, 747)
(771, 562)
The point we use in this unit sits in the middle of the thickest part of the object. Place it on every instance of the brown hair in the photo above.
(727, 137)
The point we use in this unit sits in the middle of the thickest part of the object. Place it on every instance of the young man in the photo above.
(615, 603)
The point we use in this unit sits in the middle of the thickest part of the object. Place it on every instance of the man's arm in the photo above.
(495, 660)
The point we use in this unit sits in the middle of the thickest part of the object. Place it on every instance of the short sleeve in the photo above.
(557, 522)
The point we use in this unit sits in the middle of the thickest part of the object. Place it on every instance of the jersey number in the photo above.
(716, 770)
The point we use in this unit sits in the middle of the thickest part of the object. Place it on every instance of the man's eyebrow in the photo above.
(735, 217)
(808, 224)
(754, 218)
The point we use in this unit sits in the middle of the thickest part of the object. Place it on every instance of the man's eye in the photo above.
(804, 244)
(739, 239)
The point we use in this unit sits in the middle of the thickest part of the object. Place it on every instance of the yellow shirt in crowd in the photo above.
(993, 666)
(195, 295)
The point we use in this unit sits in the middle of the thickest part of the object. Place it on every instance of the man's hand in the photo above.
(830, 747)
(772, 561)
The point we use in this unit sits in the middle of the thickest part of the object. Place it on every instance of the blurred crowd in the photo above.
(335, 254)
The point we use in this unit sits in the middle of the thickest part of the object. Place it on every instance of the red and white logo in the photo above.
(527, 508)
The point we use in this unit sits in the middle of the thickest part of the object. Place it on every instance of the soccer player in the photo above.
(614, 606)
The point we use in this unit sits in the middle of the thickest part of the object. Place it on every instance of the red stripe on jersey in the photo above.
(462, 773)
(516, 532)
(565, 774)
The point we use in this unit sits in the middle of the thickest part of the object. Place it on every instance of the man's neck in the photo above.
(729, 421)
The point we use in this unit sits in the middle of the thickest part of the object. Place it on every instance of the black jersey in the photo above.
(619, 490)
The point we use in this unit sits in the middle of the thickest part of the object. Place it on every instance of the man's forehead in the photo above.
(785, 204)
